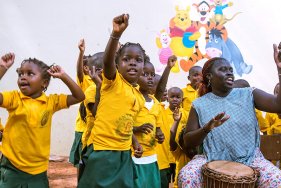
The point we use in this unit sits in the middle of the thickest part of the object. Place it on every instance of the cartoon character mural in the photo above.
(217, 47)
(194, 41)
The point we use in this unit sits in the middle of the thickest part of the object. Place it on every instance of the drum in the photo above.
(228, 174)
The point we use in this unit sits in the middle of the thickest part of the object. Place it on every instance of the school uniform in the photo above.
(110, 163)
(26, 138)
(146, 166)
(189, 95)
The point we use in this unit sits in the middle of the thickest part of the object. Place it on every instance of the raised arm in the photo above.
(120, 23)
(79, 68)
(173, 131)
(77, 94)
(164, 78)
(195, 135)
(6, 62)
(267, 102)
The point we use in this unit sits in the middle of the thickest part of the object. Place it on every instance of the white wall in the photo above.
(50, 31)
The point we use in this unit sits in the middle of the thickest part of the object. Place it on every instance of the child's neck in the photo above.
(146, 96)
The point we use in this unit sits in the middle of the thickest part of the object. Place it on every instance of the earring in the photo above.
(209, 83)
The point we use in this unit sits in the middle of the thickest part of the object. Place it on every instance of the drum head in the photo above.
(230, 168)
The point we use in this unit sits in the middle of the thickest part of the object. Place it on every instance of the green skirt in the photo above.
(165, 177)
(148, 176)
(107, 169)
(11, 177)
(76, 149)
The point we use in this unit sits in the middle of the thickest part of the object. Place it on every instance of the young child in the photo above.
(166, 153)
(109, 161)
(273, 120)
(84, 64)
(147, 124)
(190, 92)
(26, 137)
(241, 83)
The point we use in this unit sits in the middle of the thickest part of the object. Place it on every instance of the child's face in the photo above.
(146, 80)
(195, 77)
(131, 62)
(30, 80)
(174, 98)
(165, 96)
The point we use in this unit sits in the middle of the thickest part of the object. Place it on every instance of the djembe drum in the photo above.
(228, 174)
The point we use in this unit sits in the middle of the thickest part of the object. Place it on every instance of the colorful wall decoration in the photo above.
(194, 41)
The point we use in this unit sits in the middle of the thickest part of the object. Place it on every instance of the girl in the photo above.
(109, 161)
(26, 137)
(147, 122)
(223, 119)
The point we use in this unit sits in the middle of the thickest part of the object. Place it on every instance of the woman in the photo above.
(223, 120)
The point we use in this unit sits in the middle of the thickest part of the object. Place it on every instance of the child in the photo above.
(241, 83)
(84, 64)
(273, 120)
(146, 125)
(109, 161)
(26, 137)
(190, 92)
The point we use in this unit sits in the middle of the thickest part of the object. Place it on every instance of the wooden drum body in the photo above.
(228, 174)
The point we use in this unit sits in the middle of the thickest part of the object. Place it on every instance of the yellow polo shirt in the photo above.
(26, 137)
(119, 105)
(90, 95)
(80, 125)
(274, 123)
(189, 95)
(164, 155)
(152, 116)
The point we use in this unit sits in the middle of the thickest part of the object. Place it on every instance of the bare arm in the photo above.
(267, 102)
(77, 93)
(164, 78)
(94, 106)
(173, 131)
(195, 135)
(120, 23)
(79, 68)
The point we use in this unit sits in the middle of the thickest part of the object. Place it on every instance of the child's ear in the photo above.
(45, 84)
(209, 76)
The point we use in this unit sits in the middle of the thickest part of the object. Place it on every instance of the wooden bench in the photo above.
(271, 147)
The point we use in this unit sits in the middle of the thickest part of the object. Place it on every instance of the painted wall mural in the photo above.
(194, 41)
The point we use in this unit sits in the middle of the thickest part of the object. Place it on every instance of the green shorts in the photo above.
(165, 177)
(107, 169)
(76, 149)
(11, 177)
(148, 176)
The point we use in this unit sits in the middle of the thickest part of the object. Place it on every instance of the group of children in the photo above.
(125, 135)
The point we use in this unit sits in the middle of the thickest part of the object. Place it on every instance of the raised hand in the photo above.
(7, 60)
(95, 76)
(120, 23)
(217, 121)
(177, 114)
(172, 61)
(81, 45)
(145, 128)
(56, 71)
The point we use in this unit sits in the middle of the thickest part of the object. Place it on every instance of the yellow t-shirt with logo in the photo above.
(80, 125)
(119, 105)
(26, 137)
(152, 116)
(274, 123)
(90, 97)
(189, 95)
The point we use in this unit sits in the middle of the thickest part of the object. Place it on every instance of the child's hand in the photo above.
(277, 54)
(7, 60)
(56, 71)
(145, 128)
(95, 76)
(120, 23)
(172, 61)
(137, 150)
(160, 137)
(81, 45)
(177, 114)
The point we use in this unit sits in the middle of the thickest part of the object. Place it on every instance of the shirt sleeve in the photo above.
(10, 99)
(58, 101)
